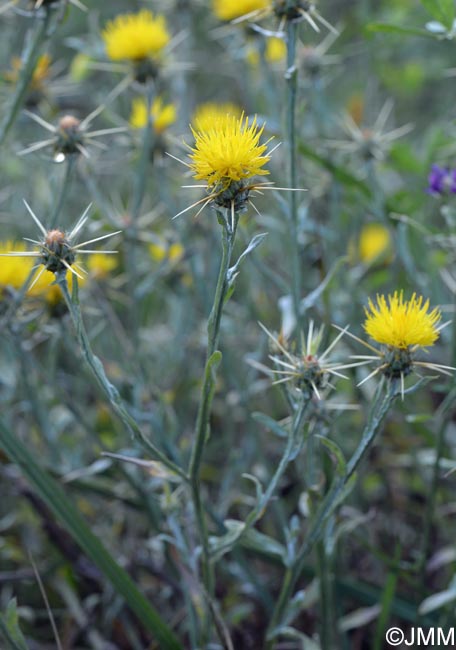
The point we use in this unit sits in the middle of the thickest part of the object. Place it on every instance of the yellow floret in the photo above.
(401, 324)
(208, 115)
(229, 151)
(134, 37)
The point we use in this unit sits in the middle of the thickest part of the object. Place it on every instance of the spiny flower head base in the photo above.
(309, 370)
(226, 155)
(70, 137)
(56, 252)
(292, 10)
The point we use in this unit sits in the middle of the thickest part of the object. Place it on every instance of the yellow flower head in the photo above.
(401, 324)
(135, 37)
(207, 115)
(374, 240)
(163, 115)
(231, 9)
(229, 151)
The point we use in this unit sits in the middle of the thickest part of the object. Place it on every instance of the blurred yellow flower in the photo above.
(40, 74)
(208, 115)
(100, 265)
(231, 9)
(374, 242)
(163, 115)
(51, 291)
(229, 151)
(80, 67)
(14, 271)
(135, 37)
(165, 251)
(401, 324)
(276, 49)
(355, 108)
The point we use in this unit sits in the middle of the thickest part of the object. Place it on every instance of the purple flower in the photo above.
(442, 180)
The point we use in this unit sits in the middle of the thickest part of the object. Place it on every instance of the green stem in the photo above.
(379, 411)
(69, 167)
(110, 391)
(202, 423)
(326, 605)
(288, 455)
(443, 416)
(29, 59)
(292, 83)
(131, 241)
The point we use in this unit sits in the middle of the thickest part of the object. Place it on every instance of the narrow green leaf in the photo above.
(64, 510)
(441, 10)
(336, 451)
(9, 627)
(398, 29)
(269, 423)
(256, 541)
(339, 173)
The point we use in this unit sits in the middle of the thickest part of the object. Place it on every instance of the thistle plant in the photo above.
(298, 491)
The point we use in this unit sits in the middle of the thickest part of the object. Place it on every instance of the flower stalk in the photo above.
(292, 84)
(213, 358)
(70, 162)
(29, 59)
(380, 408)
(111, 392)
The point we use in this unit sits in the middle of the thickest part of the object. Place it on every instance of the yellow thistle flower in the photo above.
(134, 37)
(163, 115)
(374, 242)
(226, 156)
(401, 324)
(231, 9)
(208, 115)
(228, 152)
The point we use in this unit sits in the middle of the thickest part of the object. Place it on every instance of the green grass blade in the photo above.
(9, 628)
(64, 510)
